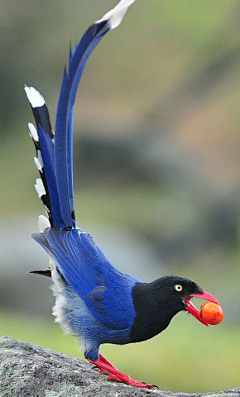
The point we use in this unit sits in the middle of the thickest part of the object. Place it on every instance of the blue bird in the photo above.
(95, 301)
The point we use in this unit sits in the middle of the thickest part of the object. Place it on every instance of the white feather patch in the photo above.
(40, 189)
(65, 304)
(33, 132)
(38, 165)
(35, 98)
(43, 223)
(116, 15)
(38, 161)
(61, 302)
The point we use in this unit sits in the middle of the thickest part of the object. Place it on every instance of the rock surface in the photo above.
(31, 371)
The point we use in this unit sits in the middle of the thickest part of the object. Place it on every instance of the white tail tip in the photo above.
(43, 223)
(33, 132)
(40, 189)
(38, 161)
(116, 15)
(35, 98)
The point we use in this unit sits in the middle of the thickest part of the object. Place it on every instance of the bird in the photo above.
(93, 300)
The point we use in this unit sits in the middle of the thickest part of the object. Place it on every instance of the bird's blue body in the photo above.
(98, 304)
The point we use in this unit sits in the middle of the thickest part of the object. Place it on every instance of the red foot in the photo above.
(116, 375)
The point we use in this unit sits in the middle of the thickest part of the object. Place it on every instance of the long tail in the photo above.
(54, 158)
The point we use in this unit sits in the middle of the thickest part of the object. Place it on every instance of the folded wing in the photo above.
(106, 291)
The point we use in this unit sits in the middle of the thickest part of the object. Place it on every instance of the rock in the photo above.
(31, 371)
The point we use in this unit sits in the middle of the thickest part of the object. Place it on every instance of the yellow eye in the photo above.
(178, 287)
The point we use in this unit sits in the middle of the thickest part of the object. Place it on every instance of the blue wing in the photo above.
(106, 291)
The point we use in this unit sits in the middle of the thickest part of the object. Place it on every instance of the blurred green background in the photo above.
(157, 169)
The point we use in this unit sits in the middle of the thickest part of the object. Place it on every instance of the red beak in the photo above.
(193, 310)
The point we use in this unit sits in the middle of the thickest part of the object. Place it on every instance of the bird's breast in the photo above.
(152, 315)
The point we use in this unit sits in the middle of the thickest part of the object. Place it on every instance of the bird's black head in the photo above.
(156, 303)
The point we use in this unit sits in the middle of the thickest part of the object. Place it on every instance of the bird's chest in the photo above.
(152, 316)
(147, 326)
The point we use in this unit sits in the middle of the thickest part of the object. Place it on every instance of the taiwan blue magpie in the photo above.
(95, 301)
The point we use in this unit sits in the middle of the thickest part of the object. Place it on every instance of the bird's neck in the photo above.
(153, 312)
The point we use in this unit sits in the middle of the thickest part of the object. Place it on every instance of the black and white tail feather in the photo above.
(54, 159)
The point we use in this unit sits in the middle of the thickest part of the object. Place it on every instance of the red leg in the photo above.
(115, 374)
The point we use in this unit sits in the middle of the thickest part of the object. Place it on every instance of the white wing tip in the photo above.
(43, 223)
(35, 98)
(116, 15)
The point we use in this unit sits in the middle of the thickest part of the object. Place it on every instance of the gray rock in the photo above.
(31, 371)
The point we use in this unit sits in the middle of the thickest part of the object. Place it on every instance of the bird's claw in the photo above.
(94, 367)
(113, 374)
(131, 382)
(103, 371)
(150, 386)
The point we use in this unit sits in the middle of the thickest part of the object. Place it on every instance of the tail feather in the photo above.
(55, 160)
(64, 119)
(43, 139)
(46, 272)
